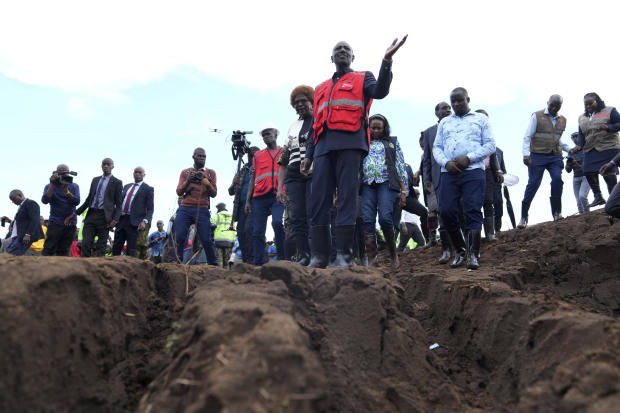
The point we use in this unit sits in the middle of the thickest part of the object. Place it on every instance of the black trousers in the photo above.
(125, 232)
(413, 206)
(245, 228)
(298, 194)
(58, 239)
(336, 169)
(413, 231)
(95, 225)
(489, 194)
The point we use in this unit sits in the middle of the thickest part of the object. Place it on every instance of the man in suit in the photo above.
(26, 225)
(431, 174)
(104, 209)
(136, 212)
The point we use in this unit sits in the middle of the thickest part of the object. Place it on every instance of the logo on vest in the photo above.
(391, 145)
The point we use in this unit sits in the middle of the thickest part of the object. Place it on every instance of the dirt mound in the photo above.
(535, 329)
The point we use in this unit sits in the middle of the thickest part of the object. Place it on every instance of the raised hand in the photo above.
(394, 48)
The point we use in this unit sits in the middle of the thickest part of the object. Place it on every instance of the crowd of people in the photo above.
(339, 172)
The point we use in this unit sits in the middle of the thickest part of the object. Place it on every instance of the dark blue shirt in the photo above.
(331, 140)
(60, 205)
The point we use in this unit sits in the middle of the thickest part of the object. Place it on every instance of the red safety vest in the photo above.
(340, 105)
(266, 175)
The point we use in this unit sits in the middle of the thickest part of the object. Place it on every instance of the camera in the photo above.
(64, 177)
(197, 178)
(240, 144)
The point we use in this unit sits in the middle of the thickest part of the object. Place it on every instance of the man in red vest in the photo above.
(341, 141)
(261, 201)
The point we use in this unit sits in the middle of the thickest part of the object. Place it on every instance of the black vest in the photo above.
(390, 161)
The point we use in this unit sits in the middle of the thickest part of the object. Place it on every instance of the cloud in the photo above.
(80, 108)
(496, 50)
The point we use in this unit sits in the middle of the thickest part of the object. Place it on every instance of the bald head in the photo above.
(138, 174)
(554, 104)
(342, 55)
(199, 156)
(16, 196)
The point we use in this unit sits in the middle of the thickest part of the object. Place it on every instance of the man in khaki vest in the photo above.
(542, 149)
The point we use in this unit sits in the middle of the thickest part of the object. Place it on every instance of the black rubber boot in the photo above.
(345, 236)
(596, 190)
(432, 238)
(370, 240)
(473, 249)
(556, 207)
(446, 247)
(489, 228)
(390, 242)
(321, 246)
(303, 250)
(459, 248)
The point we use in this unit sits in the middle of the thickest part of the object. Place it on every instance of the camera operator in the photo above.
(26, 227)
(196, 185)
(239, 188)
(63, 195)
(156, 242)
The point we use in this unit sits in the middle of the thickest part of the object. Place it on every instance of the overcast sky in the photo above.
(143, 82)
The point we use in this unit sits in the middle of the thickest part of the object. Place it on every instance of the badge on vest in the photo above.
(391, 145)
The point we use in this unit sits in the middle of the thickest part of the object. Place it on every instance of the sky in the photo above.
(144, 82)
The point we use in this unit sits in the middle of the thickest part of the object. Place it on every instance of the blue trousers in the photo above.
(262, 207)
(336, 169)
(377, 198)
(16, 247)
(553, 164)
(467, 186)
(187, 216)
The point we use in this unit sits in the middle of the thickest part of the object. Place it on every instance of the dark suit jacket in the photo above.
(142, 205)
(111, 199)
(28, 221)
(500, 158)
(431, 170)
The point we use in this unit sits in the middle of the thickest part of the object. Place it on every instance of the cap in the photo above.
(268, 126)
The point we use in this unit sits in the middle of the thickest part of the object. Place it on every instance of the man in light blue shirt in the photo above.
(463, 140)
(542, 150)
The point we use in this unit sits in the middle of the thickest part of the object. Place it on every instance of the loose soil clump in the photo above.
(535, 329)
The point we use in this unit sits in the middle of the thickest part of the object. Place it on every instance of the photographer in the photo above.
(196, 185)
(63, 195)
(157, 240)
(26, 227)
(239, 188)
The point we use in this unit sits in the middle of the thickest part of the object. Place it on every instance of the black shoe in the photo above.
(459, 248)
(598, 200)
(446, 247)
(523, 223)
(320, 246)
(345, 236)
(473, 249)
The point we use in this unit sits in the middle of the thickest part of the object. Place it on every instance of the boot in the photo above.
(446, 247)
(301, 244)
(489, 228)
(432, 238)
(320, 246)
(473, 249)
(345, 236)
(596, 190)
(556, 207)
(390, 243)
(459, 248)
(371, 249)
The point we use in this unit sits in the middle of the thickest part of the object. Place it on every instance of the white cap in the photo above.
(268, 126)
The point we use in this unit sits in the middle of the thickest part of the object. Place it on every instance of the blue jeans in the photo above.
(262, 207)
(377, 198)
(469, 187)
(553, 164)
(581, 188)
(17, 248)
(187, 216)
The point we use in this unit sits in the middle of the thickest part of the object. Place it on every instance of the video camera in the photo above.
(240, 144)
(64, 177)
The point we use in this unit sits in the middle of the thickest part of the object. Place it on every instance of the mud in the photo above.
(535, 329)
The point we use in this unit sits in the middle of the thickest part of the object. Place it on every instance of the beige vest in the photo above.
(601, 140)
(546, 139)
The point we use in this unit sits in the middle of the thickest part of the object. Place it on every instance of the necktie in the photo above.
(128, 201)
(95, 203)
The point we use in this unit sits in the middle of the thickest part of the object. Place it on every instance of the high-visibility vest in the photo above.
(223, 235)
(340, 105)
(266, 172)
